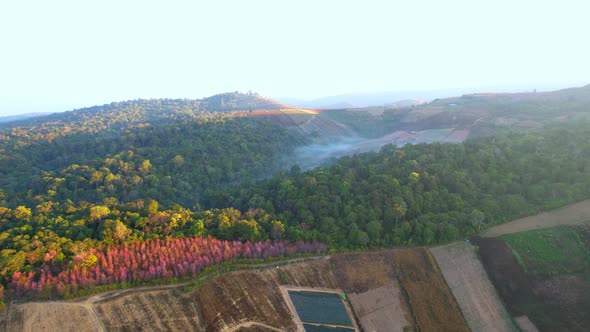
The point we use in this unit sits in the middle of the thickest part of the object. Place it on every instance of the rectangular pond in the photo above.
(321, 308)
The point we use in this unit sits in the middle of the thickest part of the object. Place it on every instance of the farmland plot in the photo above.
(430, 299)
(373, 290)
(543, 275)
(471, 287)
(164, 310)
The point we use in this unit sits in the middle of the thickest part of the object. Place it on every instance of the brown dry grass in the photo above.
(573, 214)
(433, 306)
(472, 288)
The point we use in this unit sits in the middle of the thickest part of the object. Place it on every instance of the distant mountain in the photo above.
(355, 100)
(236, 101)
(10, 118)
(138, 113)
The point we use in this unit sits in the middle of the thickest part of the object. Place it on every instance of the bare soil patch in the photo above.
(430, 299)
(47, 316)
(381, 309)
(359, 272)
(375, 280)
(163, 310)
(471, 287)
(574, 214)
(244, 296)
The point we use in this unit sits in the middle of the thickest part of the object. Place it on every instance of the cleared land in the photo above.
(373, 290)
(420, 297)
(47, 316)
(165, 310)
(381, 309)
(430, 299)
(256, 296)
(573, 214)
(543, 274)
(471, 287)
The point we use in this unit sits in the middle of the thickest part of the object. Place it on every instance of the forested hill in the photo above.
(427, 193)
(130, 114)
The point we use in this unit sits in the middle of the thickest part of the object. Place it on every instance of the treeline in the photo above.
(137, 262)
(426, 194)
(64, 231)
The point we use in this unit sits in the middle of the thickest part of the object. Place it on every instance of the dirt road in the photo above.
(574, 214)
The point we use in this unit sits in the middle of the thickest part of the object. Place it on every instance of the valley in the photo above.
(208, 214)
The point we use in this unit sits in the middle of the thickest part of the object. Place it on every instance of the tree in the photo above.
(22, 213)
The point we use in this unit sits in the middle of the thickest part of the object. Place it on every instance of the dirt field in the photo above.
(433, 306)
(471, 287)
(574, 214)
(373, 289)
(394, 289)
(47, 316)
(164, 310)
(239, 297)
(381, 309)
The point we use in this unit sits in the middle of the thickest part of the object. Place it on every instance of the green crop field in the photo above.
(550, 251)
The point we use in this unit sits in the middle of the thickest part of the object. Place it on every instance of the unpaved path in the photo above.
(472, 288)
(573, 214)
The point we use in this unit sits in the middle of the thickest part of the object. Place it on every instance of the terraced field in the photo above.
(482, 308)
(398, 289)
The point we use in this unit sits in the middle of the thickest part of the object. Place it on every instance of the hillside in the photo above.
(75, 184)
(235, 101)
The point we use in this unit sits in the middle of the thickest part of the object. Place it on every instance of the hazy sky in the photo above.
(58, 55)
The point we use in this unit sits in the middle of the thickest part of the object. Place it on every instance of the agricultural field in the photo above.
(373, 290)
(543, 275)
(163, 310)
(430, 299)
(256, 296)
(573, 214)
(47, 316)
(398, 289)
(472, 288)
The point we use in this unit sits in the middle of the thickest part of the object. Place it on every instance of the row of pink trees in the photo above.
(148, 260)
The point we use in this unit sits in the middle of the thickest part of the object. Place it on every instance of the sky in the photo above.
(59, 55)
